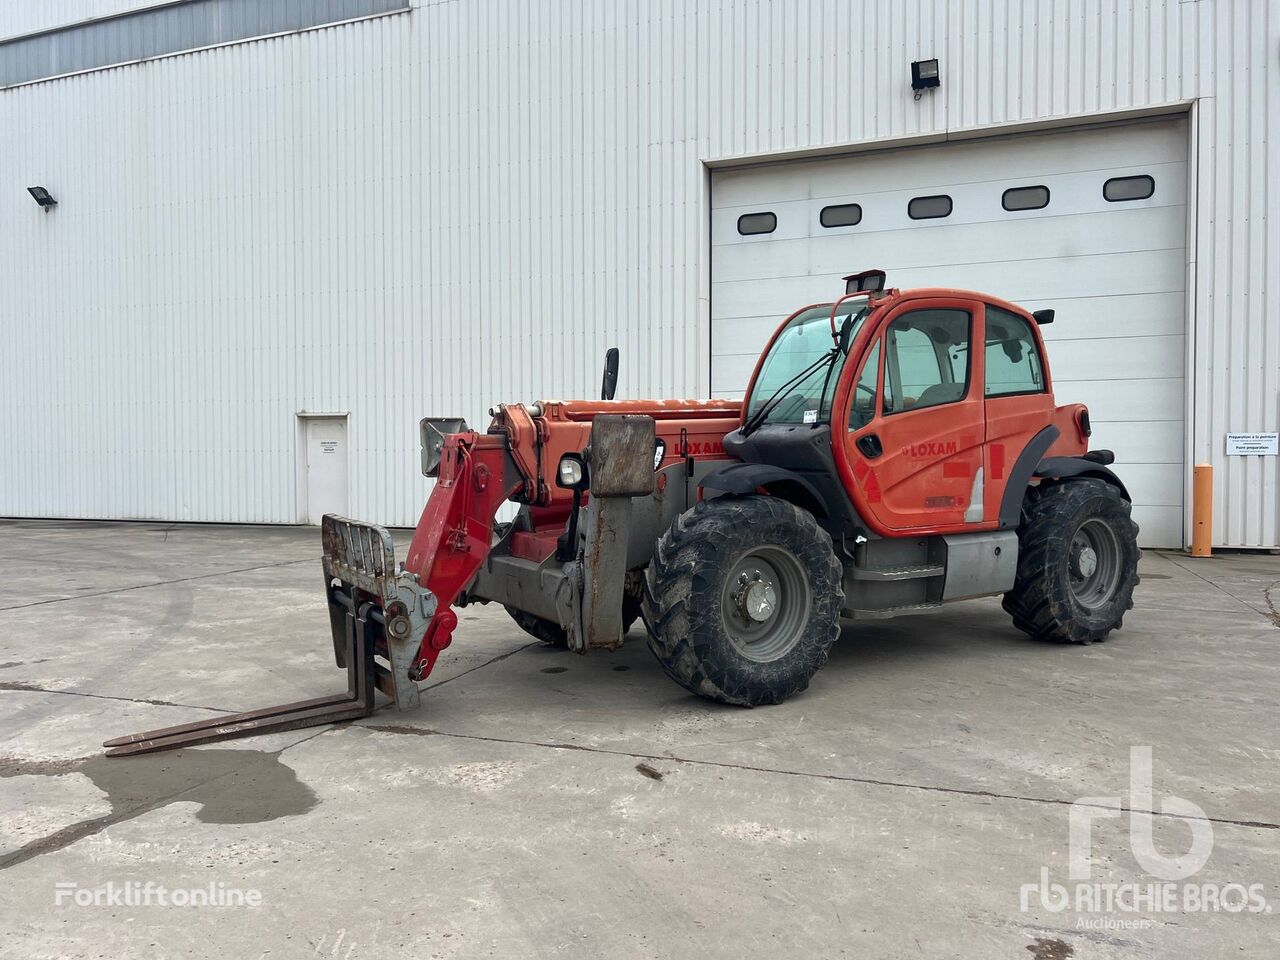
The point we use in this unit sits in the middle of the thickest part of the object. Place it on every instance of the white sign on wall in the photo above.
(1253, 444)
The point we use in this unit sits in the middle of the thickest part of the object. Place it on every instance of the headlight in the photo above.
(659, 452)
(572, 472)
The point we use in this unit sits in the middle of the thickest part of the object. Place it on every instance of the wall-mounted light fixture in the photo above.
(42, 196)
(924, 74)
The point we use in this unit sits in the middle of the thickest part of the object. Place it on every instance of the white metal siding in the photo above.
(166, 29)
(1114, 271)
(18, 19)
(434, 212)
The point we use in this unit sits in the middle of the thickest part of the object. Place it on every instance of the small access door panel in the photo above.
(325, 467)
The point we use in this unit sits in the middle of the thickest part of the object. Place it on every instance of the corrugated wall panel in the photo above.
(165, 29)
(18, 19)
(434, 212)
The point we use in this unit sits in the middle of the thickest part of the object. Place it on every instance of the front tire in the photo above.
(743, 597)
(1077, 562)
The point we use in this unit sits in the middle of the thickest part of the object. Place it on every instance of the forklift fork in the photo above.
(358, 701)
(364, 590)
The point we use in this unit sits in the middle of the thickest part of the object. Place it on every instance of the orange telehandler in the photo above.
(896, 450)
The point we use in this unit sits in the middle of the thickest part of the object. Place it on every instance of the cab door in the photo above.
(916, 454)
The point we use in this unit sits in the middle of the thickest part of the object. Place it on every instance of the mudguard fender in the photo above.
(746, 478)
(1062, 468)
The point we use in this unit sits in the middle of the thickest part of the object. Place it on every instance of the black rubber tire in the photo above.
(630, 614)
(632, 599)
(553, 634)
(549, 633)
(684, 589)
(1042, 601)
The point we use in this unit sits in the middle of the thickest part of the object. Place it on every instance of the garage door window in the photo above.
(1118, 189)
(1025, 198)
(843, 215)
(750, 224)
(929, 208)
(1013, 362)
(926, 360)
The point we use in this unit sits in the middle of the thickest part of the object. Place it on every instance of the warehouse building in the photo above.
(264, 238)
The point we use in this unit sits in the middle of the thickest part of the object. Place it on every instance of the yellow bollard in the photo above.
(1202, 511)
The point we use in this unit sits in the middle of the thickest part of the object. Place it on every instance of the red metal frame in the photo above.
(517, 460)
(456, 529)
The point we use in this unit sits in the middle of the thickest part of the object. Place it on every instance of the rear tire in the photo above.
(743, 598)
(1077, 562)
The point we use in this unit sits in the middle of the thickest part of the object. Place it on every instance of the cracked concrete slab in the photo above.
(546, 804)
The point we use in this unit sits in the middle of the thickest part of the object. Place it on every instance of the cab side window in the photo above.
(1013, 362)
(926, 359)
(863, 409)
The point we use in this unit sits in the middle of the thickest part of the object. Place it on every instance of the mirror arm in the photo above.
(609, 384)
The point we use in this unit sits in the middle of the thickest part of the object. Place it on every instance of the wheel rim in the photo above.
(1094, 564)
(764, 604)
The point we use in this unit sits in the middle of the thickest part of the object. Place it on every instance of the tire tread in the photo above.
(1040, 602)
(689, 561)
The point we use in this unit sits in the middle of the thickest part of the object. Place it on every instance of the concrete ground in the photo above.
(542, 804)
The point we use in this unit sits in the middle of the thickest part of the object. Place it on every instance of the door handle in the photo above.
(870, 446)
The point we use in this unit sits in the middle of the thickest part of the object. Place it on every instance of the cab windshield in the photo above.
(795, 381)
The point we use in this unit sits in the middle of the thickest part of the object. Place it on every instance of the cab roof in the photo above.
(894, 295)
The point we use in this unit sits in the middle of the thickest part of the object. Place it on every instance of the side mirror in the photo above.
(846, 329)
(609, 385)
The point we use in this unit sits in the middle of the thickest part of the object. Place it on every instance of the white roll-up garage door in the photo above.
(1102, 243)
